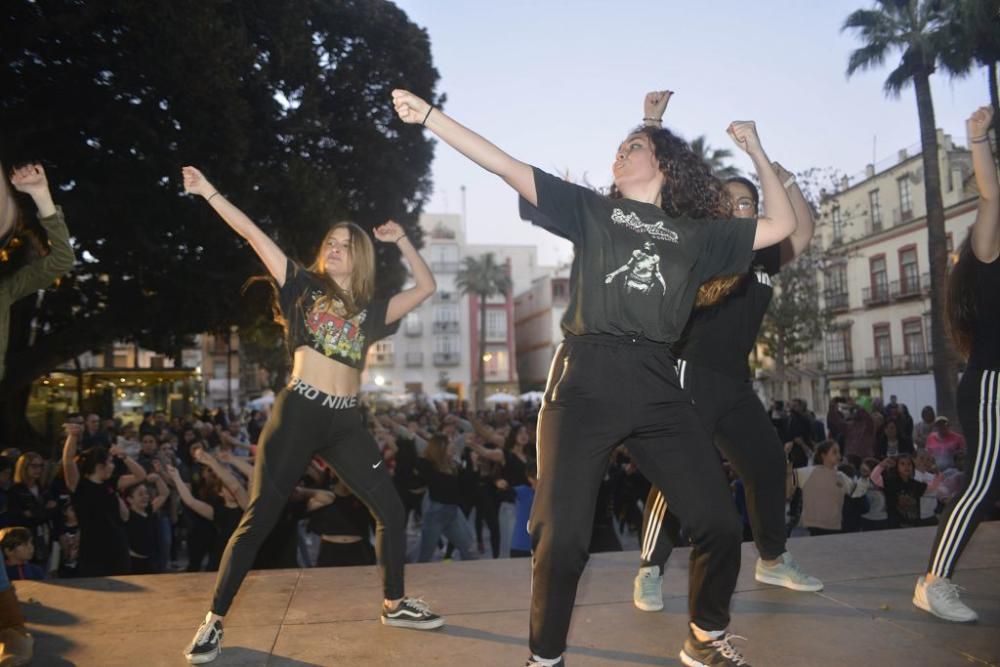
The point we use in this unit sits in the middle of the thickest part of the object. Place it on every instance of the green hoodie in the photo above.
(36, 275)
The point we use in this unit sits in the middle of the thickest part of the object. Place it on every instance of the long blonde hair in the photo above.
(437, 453)
(362, 273)
(21, 468)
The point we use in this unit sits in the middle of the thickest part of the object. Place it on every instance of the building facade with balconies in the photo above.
(538, 313)
(876, 278)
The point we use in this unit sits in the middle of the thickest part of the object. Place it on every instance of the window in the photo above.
(446, 345)
(909, 274)
(220, 370)
(838, 350)
(496, 324)
(446, 313)
(444, 252)
(836, 279)
(905, 198)
(879, 278)
(497, 363)
(913, 342)
(838, 224)
(883, 346)
(876, 210)
(383, 347)
(558, 289)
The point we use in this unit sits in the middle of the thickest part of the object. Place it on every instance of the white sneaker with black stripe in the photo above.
(207, 643)
(411, 613)
(941, 599)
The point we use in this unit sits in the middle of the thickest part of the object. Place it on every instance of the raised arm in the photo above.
(162, 492)
(243, 466)
(71, 473)
(274, 259)
(517, 174)
(653, 107)
(225, 476)
(779, 222)
(39, 274)
(198, 506)
(425, 285)
(136, 473)
(986, 228)
(805, 225)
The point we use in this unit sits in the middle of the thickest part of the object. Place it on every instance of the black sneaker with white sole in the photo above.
(411, 613)
(718, 652)
(206, 645)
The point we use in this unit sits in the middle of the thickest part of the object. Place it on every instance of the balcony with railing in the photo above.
(919, 362)
(446, 326)
(836, 300)
(875, 295)
(901, 217)
(414, 359)
(445, 267)
(909, 287)
(839, 366)
(447, 359)
(446, 297)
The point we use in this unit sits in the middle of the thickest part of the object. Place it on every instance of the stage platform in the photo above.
(300, 618)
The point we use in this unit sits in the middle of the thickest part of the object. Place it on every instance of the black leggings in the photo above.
(732, 413)
(488, 513)
(979, 414)
(305, 423)
(601, 391)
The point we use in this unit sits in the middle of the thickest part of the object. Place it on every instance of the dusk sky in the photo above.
(559, 83)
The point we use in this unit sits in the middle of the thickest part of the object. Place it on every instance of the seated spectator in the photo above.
(943, 443)
(891, 442)
(924, 428)
(902, 491)
(18, 551)
(876, 517)
(823, 493)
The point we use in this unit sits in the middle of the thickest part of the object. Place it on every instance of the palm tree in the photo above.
(975, 41)
(483, 278)
(714, 158)
(918, 30)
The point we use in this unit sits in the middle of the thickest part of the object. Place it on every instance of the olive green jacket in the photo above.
(37, 275)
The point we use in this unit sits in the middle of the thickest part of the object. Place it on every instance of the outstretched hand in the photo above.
(410, 108)
(30, 179)
(655, 104)
(744, 134)
(978, 123)
(195, 182)
(389, 232)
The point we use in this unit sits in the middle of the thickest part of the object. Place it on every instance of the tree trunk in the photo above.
(945, 365)
(481, 380)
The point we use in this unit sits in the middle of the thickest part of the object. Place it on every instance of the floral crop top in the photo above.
(331, 334)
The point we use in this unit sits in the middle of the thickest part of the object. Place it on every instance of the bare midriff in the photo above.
(325, 374)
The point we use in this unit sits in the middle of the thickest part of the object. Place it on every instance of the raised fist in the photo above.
(744, 133)
(389, 232)
(410, 108)
(979, 122)
(30, 179)
(655, 104)
(195, 182)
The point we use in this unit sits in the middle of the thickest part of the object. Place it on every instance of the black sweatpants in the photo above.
(733, 415)
(979, 414)
(603, 390)
(306, 422)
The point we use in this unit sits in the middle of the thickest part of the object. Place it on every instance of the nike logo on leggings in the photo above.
(376, 465)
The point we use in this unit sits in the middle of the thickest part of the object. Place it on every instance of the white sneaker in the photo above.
(207, 643)
(941, 599)
(788, 574)
(647, 593)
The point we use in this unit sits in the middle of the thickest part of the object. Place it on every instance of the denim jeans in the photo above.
(448, 520)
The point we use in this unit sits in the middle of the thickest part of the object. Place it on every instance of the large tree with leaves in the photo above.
(285, 105)
(482, 278)
(919, 31)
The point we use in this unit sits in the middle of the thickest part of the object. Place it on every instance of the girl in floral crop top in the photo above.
(331, 318)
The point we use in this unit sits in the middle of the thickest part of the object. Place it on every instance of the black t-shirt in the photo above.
(635, 270)
(142, 533)
(442, 487)
(103, 540)
(345, 516)
(326, 331)
(722, 336)
(986, 334)
(515, 470)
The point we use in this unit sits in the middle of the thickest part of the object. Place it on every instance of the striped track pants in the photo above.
(979, 414)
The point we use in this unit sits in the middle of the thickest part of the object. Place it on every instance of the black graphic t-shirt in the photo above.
(721, 336)
(331, 334)
(985, 351)
(635, 270)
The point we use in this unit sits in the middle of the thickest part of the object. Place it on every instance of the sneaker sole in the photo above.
(920, 604)
(642, 606)
(785, 583)
(691, 662)
(203, 658)
(413, 625)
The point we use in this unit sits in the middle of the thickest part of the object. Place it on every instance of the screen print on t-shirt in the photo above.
(635, 270)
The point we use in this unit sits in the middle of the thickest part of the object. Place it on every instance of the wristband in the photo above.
(655, 120)
(429, 110)
(981, 140)
(789, 182)
(399, 239)
(209, 198)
